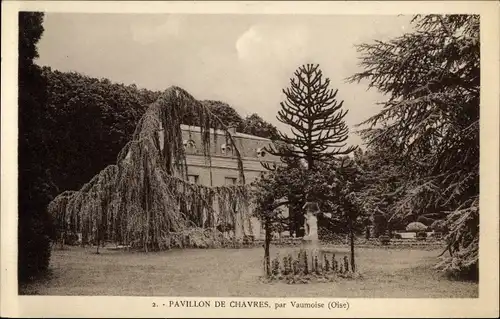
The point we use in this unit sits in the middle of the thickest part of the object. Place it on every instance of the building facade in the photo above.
(223, 166)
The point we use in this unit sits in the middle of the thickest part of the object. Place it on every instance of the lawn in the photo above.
(387, 273)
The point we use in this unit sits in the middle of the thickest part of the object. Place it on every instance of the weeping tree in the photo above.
(145, 199)
(431, 120)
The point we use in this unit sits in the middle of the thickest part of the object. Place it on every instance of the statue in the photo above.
(310, 226)
(310, 238)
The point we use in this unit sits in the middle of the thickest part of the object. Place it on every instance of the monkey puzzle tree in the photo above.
(315, 117)
(317, 124)
(431, 120)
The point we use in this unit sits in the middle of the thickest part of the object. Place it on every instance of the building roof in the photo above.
(221, 132)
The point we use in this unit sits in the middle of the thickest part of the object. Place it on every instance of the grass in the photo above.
(387, 273)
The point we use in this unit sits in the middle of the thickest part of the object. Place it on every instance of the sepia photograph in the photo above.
(262, 155)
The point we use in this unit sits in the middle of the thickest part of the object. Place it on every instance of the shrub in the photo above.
(421, 235)
(275, 268)
(437, 235)
(316, 265)
(367, 232)
(306, 263)
(34, 246)
(326, 263)
(439, 226)
(294, 269)
(380, 225)
(398, 236)
(416, 227)
(385, 240)
(341, 269)
(71, 239)
(426, 220)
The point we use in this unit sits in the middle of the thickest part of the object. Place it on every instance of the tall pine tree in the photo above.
(315, 117)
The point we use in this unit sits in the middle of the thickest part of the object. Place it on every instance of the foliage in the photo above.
(315, 117)
(439, 226)
(385, 239)
(333, 185)
(145, 200)
(421, 235)
(425, 220)
(225, 112)
(416, 227)
(304, 267)
(381, 177)
(35, 182)
(87, 122)
(255, 125)
(76, 126)
(93, 119)
(431, 122)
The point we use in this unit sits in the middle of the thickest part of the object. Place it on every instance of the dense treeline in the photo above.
(88, 121)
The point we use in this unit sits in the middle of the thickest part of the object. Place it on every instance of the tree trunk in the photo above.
(351, 233)
(267, 242)
(98, 240)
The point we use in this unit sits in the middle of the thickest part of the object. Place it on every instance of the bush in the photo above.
(398, 236)
(34, 247)
(303, 269)
(71, 239)
(384, 239)
(380, 225)
(367, 232)
(426, 220)
(439, 226)
(437, 235)
(416, 227)
(421, 235)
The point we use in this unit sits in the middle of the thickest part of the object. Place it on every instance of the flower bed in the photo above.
(309, 266)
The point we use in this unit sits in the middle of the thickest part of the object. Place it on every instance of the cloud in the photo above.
(146, 34)
(263, 43)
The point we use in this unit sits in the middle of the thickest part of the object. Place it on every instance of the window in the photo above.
(193, 179)
(189, 145)
(226, 149)
(261, 152)
(230, 181)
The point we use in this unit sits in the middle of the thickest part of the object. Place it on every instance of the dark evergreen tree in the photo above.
(430, 120)
(315, 117)
(35, 181)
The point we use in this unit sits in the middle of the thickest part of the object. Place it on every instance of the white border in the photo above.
(487, 303)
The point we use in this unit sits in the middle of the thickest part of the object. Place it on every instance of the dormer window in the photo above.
(226, 149)
(189, 145)
(261, 152)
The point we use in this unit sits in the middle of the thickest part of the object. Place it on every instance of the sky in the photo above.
(243, 60)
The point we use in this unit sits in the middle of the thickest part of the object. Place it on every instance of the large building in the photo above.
(223, 166)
